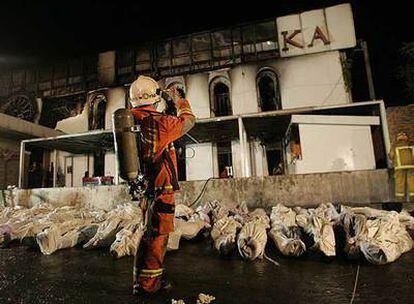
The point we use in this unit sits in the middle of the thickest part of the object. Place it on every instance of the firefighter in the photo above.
(158, 132)
(402, 156)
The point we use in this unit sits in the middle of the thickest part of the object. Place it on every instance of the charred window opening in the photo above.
(99, 163)
(55, 109)
(221, 100)
(220, 97)
(268, 91)
(21, 105)
(224, 159)
(275, 159)
(97, 109)
(96, 121)
(293, 144)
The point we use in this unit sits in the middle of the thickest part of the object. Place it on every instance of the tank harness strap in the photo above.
(161, 207)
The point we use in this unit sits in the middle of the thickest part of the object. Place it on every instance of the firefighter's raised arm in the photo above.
(183, 122)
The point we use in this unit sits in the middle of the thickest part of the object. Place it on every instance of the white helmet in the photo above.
(143, 92)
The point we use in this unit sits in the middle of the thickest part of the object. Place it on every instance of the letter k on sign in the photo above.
(289, 40)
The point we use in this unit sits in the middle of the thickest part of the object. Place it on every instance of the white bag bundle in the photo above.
(217, 210)
(252, 239)
(116, 219)
(381, 236)
(187, 224)
(224, 234)
(127, 240)
(284, 231)
(183, 211)
(318, 223)
(60, 235)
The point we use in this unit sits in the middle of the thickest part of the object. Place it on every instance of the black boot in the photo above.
(166, 285)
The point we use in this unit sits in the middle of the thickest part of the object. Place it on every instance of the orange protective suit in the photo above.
(158, 132)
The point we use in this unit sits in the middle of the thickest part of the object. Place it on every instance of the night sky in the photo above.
(40, 31)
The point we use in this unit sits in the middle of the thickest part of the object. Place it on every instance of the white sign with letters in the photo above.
(316, 31)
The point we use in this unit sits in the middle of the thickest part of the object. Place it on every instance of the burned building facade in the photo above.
(271, 97)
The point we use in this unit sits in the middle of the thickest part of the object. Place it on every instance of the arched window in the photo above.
(97, 109)
(268, 91)
(220, 97)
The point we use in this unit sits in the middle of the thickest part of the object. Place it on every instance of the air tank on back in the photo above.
(126, 144)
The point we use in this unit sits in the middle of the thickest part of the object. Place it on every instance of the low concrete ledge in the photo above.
(354, 188)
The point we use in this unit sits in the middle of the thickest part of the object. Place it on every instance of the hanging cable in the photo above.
(201, 192)
(270, 259)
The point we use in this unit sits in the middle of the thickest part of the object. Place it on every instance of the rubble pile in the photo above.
(378, 236)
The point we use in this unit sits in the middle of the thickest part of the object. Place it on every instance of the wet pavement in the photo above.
(79, 276)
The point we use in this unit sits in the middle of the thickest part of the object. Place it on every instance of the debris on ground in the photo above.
(202, 299)
(205, 299)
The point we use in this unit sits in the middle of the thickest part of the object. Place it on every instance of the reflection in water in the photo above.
(79, 276)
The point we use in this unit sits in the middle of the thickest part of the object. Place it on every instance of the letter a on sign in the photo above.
(318, 34)
(289, 40)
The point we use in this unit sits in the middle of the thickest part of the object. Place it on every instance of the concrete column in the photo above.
(385, 132)
(21, 164)
(54, 167)
(106, 68)
(244, 149)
